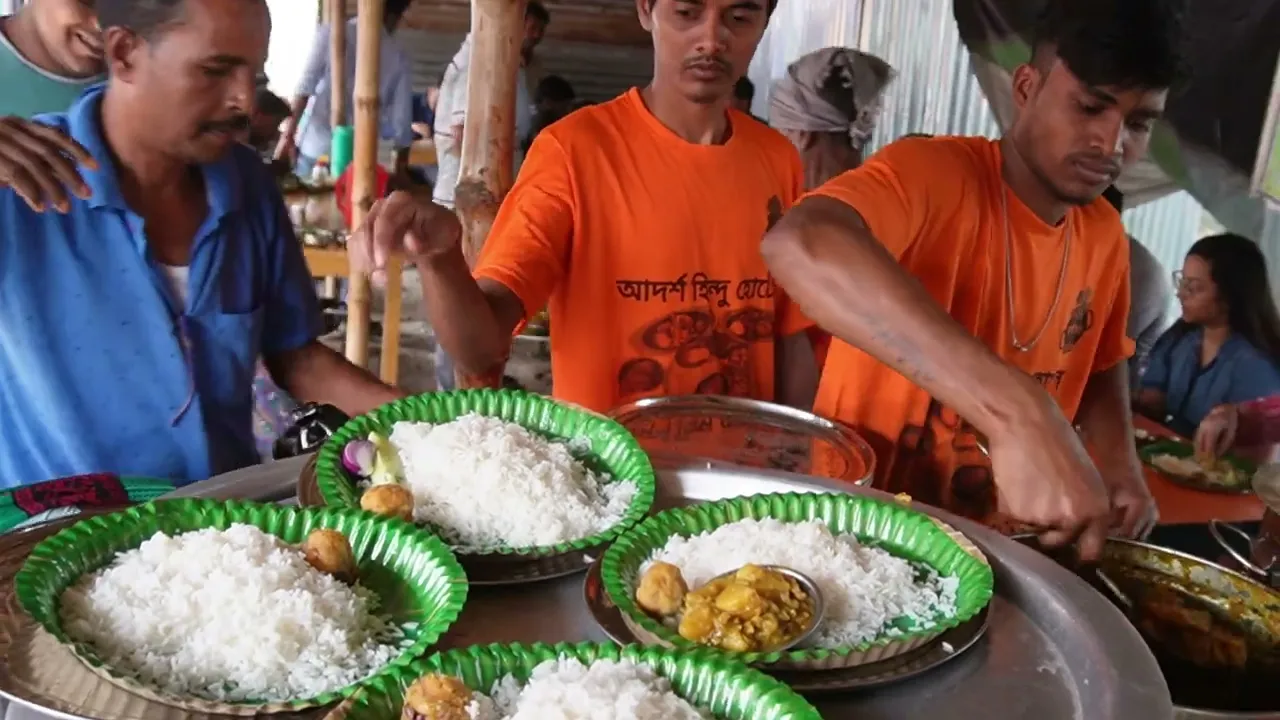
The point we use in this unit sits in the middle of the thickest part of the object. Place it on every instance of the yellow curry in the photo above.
(754, 609)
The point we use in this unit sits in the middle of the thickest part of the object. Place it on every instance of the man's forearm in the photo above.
(825, 258)
(473, 324)
(315, 373)
(1106, 422)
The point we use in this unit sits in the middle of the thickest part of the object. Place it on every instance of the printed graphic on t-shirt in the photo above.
(1080, 323)
(706, 341)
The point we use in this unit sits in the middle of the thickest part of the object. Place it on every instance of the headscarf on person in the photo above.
(827, 105)
(835, 92)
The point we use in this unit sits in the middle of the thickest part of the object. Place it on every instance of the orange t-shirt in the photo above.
(647, 248)
(935, 204)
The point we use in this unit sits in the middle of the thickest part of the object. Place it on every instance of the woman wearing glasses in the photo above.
(1226, 347)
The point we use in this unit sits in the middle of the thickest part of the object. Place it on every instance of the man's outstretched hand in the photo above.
(401, 224)
(1047, 480)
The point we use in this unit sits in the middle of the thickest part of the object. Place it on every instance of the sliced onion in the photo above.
(358, 456)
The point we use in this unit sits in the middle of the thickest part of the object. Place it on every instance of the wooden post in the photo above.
(338, 91)
(336, 11)
(364, 163)
(488, 142)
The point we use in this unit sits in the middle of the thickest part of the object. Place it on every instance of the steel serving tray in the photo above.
(1055, 649)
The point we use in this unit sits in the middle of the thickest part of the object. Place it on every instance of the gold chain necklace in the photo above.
(1008, 279)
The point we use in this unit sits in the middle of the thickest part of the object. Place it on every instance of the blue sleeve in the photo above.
(292, 317)
(1254, 377)
(1156, 376)
(317, 63)
(401, 110)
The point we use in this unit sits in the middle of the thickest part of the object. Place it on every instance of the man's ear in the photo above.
(120, 48)
(1026, 81)
(644, 9)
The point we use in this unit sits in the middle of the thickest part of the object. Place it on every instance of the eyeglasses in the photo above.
(1182, 283)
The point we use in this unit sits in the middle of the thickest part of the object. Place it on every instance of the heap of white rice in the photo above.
(486, 482)
(864, 588)
(566, 689)
(228, 615)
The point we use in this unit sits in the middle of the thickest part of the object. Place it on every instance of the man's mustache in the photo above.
(234, 124)
(707, 61)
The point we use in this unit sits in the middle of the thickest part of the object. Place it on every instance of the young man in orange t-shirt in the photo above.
(639, 220)
(934, 243)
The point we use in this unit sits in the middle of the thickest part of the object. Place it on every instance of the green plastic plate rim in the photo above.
(710, 680)
(892, 526)
(419, 558)
(1182, 449)
(612, 447)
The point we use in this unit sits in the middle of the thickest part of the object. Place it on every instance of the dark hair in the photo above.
(394, 10)
(144, 17)
(1113, 195)
(1239, 270)
(538, 11)
(744, 89)
(272, 105)
(553, 88)
(1116, 43)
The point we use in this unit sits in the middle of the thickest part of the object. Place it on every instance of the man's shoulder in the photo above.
(586, 124)
(961, 153)
(1106, 234)
(760, 135)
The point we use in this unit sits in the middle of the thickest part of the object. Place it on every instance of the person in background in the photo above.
(1150, 296)
(451, 113)
(827, 105)
(424, 113)
(744, 92)
(50, 52)
(1225, 349)
(553, 99)
(306, 135)
(269, 111)
(133, 320)
(1245, 426)
(451, 117)
(979, 289)
(639, 220)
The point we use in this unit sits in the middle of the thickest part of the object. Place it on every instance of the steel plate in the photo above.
(947, 646)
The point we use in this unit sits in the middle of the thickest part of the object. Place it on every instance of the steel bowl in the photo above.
(817, 605)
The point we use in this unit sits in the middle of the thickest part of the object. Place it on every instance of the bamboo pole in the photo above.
(497, 31)
(336, 11)
(338, 94)
(364, 164)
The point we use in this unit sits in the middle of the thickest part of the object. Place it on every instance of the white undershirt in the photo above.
(178, 277)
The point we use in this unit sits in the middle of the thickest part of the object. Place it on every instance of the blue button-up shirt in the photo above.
(103, 367)
(1239, 373)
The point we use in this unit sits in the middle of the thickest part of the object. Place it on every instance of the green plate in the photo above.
(1181, 449)
(418, 581)
(896, 528)
(613, 450)
(710, 681)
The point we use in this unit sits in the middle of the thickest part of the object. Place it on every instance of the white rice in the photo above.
(865, 589)
(566, 689)
(486, 483)
(230, 615)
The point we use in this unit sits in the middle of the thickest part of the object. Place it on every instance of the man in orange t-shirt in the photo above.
(934, 243)
(639, 220)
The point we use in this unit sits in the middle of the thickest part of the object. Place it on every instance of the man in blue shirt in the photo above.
(130, 321)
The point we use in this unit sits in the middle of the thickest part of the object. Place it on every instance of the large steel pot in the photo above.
(1131, 573)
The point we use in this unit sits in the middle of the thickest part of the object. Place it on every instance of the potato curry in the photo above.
(754, 609)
